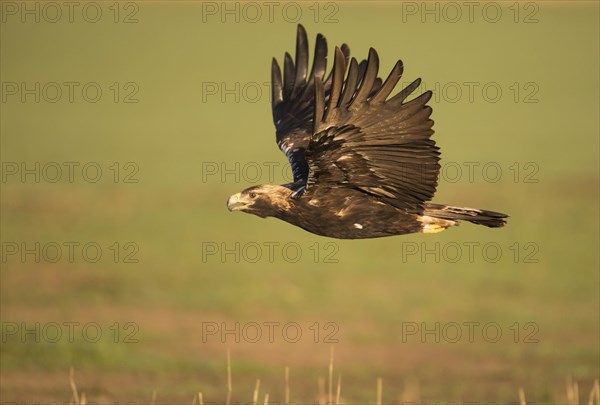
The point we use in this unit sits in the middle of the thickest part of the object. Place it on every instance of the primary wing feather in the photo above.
(293, 101)
(363, 139)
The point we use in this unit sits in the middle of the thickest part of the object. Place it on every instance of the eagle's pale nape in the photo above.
(364, 163)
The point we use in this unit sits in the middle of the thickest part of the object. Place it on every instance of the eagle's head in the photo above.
(265, 200)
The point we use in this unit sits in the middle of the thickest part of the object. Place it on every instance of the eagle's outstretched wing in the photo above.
(293, 98)
(363, 140)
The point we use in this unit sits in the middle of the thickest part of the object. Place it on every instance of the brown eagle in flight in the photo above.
(364, 163)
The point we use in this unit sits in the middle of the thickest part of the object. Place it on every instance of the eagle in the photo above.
(364, 164)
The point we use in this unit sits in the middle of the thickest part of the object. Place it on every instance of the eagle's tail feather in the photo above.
(448, 213)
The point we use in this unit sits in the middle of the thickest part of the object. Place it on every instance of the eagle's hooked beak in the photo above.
(235, 203)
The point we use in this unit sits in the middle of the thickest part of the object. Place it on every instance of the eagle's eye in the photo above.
(253, 195)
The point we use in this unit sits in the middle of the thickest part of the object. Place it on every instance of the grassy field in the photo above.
(120, 259)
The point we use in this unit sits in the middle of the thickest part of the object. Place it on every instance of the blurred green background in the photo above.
(184, 92)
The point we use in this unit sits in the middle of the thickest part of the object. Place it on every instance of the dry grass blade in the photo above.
(591, 396)
(200, 399)
(379, 390)
(572, 391)
(339, 389)
(256, 389)
(522, 400)
(330, 388)
(82, 401)
(229, 387)
(73, 386)
(569, 390)
(266, 399)
(287, 385)
(594, 393)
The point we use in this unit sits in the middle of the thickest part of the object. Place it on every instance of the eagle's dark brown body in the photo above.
(364, 163)
(344, 213)
(349, 214)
